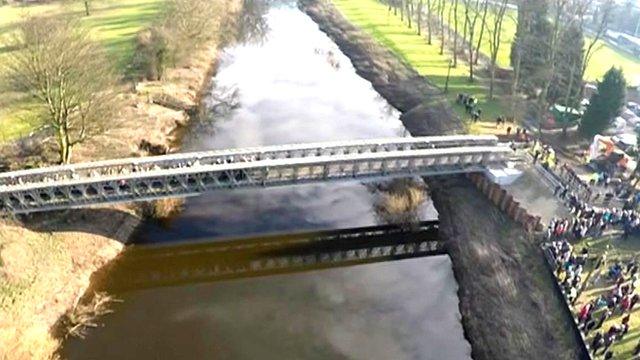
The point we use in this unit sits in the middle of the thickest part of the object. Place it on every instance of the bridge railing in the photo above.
(120, 167)
(176, 182)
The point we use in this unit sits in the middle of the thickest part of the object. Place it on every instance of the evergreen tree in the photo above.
(605, 104)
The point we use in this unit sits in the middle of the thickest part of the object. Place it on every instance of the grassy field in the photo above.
(389, 30)
(602, 60)
(113, 23)
(507, 36)
(617, 249)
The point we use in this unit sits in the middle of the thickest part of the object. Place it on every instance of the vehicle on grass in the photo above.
(559, 116)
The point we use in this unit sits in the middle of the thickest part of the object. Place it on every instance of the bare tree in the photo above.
(565, 14)
(87, 6)
(419, 17)
(601, 28)
(67, 72)
(393, 4)
(455, 35)
(188, 25)
(449, 18)
(466, 23)
(494, 29)
(441, 12)
(472, 13)
(85, 3)
(431, 7)
(485, 8)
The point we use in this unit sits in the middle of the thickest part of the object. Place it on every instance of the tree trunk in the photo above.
(419, 24)
(441, 27)
(409, 11)
(466, 24)
(516, 79)
(493, 79)
(455, 35)
(401, 10)
(429, 19)
(449, 20)
(64, 145)
(470, 61)
(484, 22)
(567, 98)
(86, 7)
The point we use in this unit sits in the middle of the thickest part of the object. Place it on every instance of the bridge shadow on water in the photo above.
(149, 266)
(111, 223)
(141, 267)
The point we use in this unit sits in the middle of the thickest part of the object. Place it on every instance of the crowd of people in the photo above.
(604, 319)
(618, 302)
(470, 104)
(592, 221)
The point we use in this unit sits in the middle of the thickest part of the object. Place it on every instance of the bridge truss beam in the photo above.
(197, 179)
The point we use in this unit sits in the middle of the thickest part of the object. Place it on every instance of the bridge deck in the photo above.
(34, 191)
(185, 160)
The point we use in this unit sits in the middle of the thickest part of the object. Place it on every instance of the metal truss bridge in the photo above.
(190, 174)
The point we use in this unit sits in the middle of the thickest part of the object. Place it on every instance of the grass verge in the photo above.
(605, 56)
(113, 23)
(374, 18)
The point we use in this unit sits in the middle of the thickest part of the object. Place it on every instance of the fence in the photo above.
(505, 202)
(579, 336)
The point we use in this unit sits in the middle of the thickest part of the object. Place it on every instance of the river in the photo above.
(287, 83)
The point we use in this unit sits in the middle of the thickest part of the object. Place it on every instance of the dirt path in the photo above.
(509, 307)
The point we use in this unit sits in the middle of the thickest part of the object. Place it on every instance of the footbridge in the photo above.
(190, 174)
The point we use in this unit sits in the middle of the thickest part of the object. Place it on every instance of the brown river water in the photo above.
(286, 82)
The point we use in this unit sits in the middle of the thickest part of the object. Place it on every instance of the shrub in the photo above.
(152, 53)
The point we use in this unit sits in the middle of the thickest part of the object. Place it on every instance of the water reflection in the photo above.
(295, 86)
(252, 24)
(399, 310)
(292, 86)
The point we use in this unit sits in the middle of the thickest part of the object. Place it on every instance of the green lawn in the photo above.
(507, 34)
(602, 60)
(607, 56)
(618, 249)
(113, 23)
(389, 30)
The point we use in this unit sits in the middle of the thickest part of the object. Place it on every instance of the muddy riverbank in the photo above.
(507, 301)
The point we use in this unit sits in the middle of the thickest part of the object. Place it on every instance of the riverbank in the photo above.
(425, 109)
(509, 309)
(46, 262)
